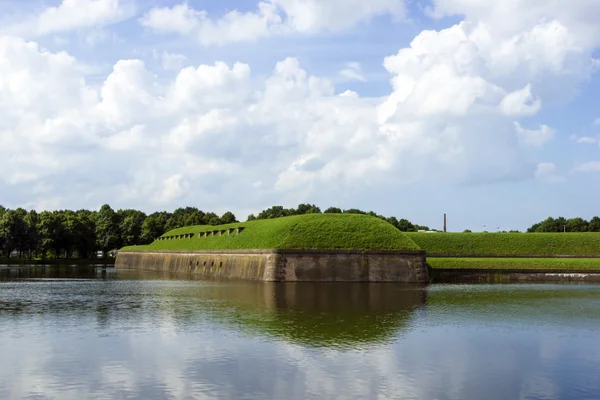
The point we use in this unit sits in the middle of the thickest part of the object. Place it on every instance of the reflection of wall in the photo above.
(290, 266)
(320, 314)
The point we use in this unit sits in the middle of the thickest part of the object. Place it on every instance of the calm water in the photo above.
(85, 333)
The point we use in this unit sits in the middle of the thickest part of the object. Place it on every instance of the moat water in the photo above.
(94, 333)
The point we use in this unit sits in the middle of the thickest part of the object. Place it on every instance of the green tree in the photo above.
(251, 217)
(33, 236)
(130, 227)
(354, 211)
(307, 209)
(333, 210)
(154, 226)
(13, 229)
(84, 234)
(594, 225)
(275, 212)
(211, 218)
(228, 218)
(406, 226)
(107, 229)
(577, 225)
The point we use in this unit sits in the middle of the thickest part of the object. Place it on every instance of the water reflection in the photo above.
(125, 334)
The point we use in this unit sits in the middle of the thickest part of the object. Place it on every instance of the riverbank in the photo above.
(57, 261)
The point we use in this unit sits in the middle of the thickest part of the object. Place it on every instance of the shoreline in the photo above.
(59, 261)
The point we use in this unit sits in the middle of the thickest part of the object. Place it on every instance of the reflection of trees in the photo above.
(315, 314)
(337, 315)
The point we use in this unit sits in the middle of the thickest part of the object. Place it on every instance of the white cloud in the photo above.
(72, 15)
(179, 18)
(547, 172)
(352, 72)
(214, 131)
(170, 61)
(271, 18)
(534, 137)
(520, 103)
(590, 166)
(585, 139)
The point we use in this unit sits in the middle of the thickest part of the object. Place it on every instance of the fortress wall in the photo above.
(286, 266)
(257, 265)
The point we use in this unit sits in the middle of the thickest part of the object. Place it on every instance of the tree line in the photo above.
(562, 224)
(84, 233)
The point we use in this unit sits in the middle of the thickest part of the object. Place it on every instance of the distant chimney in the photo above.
(444, 222)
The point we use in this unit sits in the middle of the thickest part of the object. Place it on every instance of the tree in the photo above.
(33, 236)
(333, 210)
(406, 226)
(577, 225)
(155, 225)
(84, 233)
(275, 212)
(13, 230)
(211, 218)
(48, 225)
(228, 218)
(354, 211)
(307, 209)
(251, 217)
(130, 227)
(594, 225)
(107, 229)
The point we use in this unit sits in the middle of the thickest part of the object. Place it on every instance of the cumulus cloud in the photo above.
(72, 15)
(271, 18)
(213, 131)
(534, 137)
(520, 103)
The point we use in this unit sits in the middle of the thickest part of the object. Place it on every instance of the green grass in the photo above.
(301, 232)
(584, 264)
(508, 244)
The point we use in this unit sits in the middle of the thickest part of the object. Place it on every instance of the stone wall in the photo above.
(286, 266)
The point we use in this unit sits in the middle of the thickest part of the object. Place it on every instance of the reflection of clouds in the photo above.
(161, 351)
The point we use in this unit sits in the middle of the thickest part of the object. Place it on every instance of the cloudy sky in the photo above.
(488, 111)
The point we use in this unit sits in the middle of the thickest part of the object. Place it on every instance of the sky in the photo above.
(487, 111)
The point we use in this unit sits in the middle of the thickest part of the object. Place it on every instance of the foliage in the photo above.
(515, 263)
(82, 233)
(562, 224)
(508, 244)
(310, 231)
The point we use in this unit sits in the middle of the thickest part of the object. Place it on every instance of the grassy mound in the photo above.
(508, 244)
(300, 232)
(575, 264)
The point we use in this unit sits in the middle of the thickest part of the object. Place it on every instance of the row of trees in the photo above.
(561, 224)
(278, 211)
(84, 233)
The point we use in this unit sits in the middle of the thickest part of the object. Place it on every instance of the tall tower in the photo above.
(444, 222)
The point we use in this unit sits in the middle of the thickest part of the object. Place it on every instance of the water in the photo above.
(92, 333)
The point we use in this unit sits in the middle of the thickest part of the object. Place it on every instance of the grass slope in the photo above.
(508, 244)
(583, 264)
(310, 232)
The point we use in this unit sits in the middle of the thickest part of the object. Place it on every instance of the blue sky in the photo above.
(482, 110)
